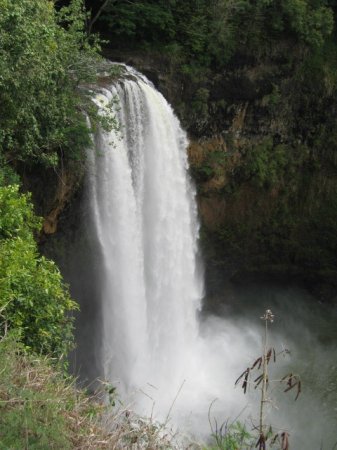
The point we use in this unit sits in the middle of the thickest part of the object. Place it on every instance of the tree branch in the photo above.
(97, 15)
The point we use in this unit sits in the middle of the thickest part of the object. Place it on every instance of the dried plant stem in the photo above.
(174, 400)
(290, 380)
(264, 378)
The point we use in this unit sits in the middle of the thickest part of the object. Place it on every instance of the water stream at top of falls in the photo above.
(142, 292)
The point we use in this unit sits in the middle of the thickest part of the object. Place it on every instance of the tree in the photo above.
(45, 56)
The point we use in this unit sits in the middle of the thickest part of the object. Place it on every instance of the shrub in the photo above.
(33, 298)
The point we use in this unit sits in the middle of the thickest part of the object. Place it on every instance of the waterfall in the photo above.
(143, 213)
(134, 268)
(147, 338)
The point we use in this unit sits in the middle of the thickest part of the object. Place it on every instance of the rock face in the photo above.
(263, 146)
(64, 190)
(262, 155)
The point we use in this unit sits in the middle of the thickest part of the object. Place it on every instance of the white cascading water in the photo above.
(145, 218)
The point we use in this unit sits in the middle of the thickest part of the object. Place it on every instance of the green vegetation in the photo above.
(33, 299)
(45, 60)
(206, 34)
(37, 408)
(46, 63)
(44, 57)
(260, 74)
(266, 164)
(281, 214)
(42, 409)
(231, 437)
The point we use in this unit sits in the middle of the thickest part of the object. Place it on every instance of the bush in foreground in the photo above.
(39, 407)
(34, 300)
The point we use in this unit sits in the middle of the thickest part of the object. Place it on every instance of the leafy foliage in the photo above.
(266, 164)
(149, 20)
(208, 32)
(33, 298)
(232, 437)
(41, 66)
(203, 42)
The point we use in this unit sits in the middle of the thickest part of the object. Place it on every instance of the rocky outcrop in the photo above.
(262, 157)
(262, 152)
(66, 185)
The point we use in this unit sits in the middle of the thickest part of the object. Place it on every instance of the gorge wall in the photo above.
(263, 137)
(262, 155)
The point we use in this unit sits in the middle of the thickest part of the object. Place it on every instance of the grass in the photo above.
(41, 408)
